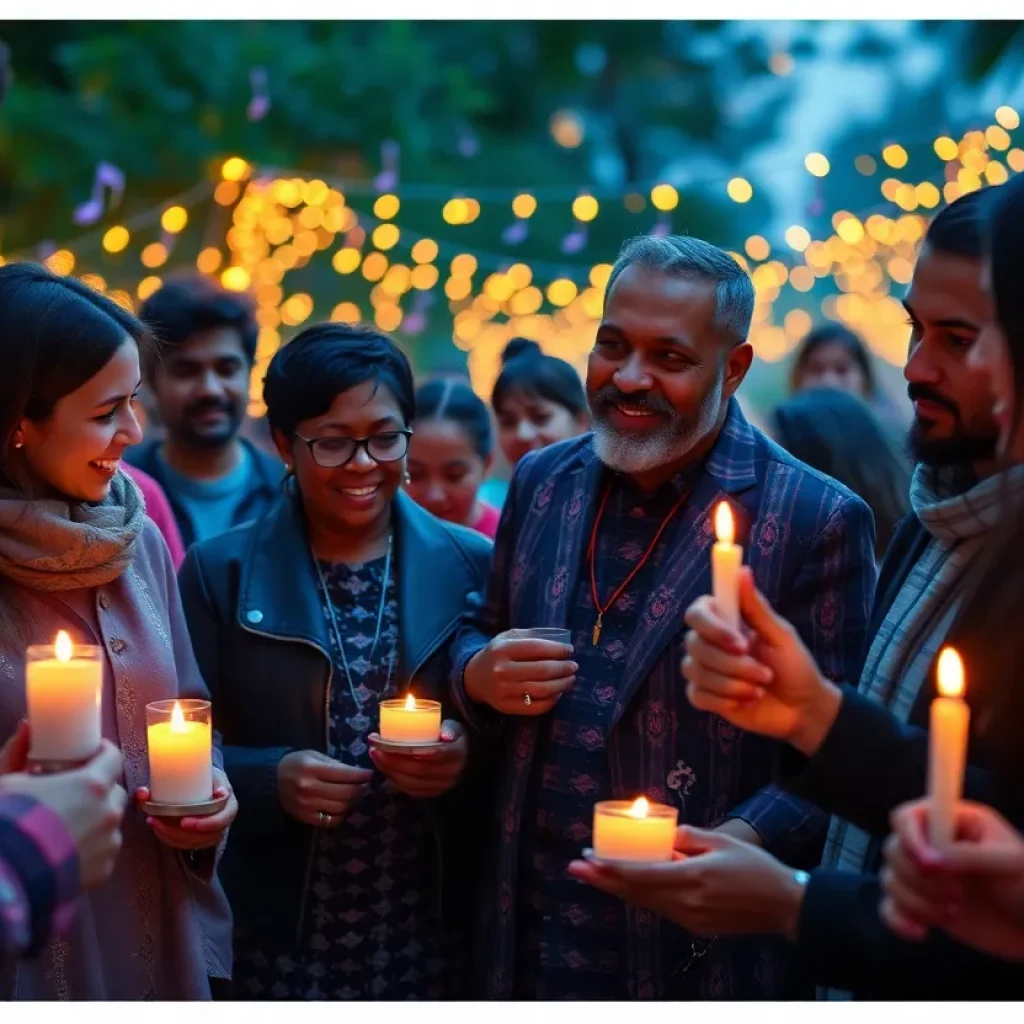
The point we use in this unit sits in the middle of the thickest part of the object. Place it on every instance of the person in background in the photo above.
(158, 508)
(450, 452)
(832, 356)
(59, 834)
(78, 553)
(537, 400)
(213, 478)
(836, 433)
(350, 868)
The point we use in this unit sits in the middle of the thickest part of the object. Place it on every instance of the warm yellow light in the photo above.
(928, 195)
(952, 191)
(424, 277)
(561, 292)
(817, 164)
(640, 808)
(464, 265)
(375, 266)
(123, 299)
(208, 260)
(116, 239)
(95, 282)
(311, 217)
(802, 279)
(226, 193)
(63, 648)
(526, 302)
(174, 219)
(906, 197)
(757, 247)
(739, 190)
(900, 270)
(457, 288)
(499, 288)
(996, 173)
(235, 279)
(315, 192)
(895, 156)
(524, 205)
(585, 208)
(741, 260)
(345, 313)
(997, 137)
(154, 255)
(850, 230)
(385, 236)
(455, 211)
(147, 286)
(397, 281)
(386, 207)
(1008, 118)
(797, 323)
(890, 187)
(664, 197)
(566, 129)
(950, 673)
(1015, 158)
(725, 527)
(410, 703)
(946, 148)
(388, 318)
(347, 260)
(968, 180)
(865, 164)
(798, 237)
(61, 262)
(297, 309)
(234, 169)
(178, 719)
(424, 251)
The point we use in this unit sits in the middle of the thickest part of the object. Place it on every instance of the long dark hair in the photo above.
(526, 370)
(55, 334)
(833, 334)
(989, 630)
(452, 398)
(838, 434)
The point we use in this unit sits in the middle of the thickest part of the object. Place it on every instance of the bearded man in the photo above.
(608, 536)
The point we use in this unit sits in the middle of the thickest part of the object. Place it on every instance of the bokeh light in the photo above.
(739, 190)
(664, 197)
(817, 164)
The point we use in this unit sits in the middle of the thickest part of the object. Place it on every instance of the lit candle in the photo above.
(180, 736)
(410, 721)
(947, 748)
(63, 691)
(639, 831)
(726, 559)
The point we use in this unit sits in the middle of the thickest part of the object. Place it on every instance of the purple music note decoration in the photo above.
(259, 105)
(107, 177)
(388, 177)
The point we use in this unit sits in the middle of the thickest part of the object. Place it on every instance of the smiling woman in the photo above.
(78, 554)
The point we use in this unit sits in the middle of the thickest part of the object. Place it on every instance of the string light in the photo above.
(61, 262)
(424, 277)
(456, 211)
(346, 312)
(464, 265)
(385, 236)
(1008, 118)
(739, 190)
(174, 219)
(147, 287)
(524, 206)
(664, 198)
(798, 237)
(425, 251)
(346, 261)
(757, 247)
(945, 148)
(817, 164)
(116, 239)
(566, 129)
(584, 208)
(375, 266)
(895, 156)
(235, 279)
(154, 255)
(234, 169)
(386, 207)
(208, 260)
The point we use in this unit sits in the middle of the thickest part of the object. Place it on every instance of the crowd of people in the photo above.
(367, 552)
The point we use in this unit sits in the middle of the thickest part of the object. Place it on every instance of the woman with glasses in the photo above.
(341, 869)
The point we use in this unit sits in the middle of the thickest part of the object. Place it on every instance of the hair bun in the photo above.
(521, 348)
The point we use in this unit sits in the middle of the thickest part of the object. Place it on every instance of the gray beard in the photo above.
(668, 444)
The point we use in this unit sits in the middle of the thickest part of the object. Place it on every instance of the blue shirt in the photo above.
(210, 504)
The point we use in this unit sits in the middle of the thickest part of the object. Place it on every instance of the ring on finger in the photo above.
(527, 699)
(325, 818)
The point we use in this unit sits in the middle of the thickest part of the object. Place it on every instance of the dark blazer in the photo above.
(261, 640)
(264, 489)
(868, 765)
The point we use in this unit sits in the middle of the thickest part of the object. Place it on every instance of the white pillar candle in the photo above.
(726, 559)
(63, 691)
(639, 831)
(410, 721)
(947, 749)
(180, 752)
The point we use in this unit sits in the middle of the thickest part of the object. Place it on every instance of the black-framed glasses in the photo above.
(334, 452)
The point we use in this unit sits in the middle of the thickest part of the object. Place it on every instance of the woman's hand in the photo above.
(317, 790)
(426, 773)
(513, 667)
(717, 885)
(195, 833)
(974, 891)
(767, 683)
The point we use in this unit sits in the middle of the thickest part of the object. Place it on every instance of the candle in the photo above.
(63, 691)
(410, 721)
(726, 559)
(947, 748)
(180, 736)
(638, 831)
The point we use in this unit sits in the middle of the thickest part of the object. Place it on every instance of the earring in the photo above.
(19, 444)
(408, 479)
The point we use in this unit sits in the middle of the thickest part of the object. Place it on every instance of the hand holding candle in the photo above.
(726, 559)
(410, 721)
(637, 831)
(180, 735)
(947, 749)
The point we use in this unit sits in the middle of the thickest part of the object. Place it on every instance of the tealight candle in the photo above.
(410, 720)
(639, 831)
(947, 749)
(63, 691)
(726, 559)
(180, 736)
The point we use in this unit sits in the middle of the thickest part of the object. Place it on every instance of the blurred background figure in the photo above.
(832, 356)
(836, 433)
(450, 453)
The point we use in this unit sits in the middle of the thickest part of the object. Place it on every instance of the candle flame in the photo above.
(177, 718)
(410, 703)
(951, 673)
(63, 648)
(725, 528)
(640, 808)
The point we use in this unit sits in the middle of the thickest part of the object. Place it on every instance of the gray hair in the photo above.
(696, 260)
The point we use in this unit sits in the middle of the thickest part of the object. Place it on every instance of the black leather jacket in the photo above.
(259, 635)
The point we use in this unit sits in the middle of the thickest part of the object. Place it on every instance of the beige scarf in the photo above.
(52, 545)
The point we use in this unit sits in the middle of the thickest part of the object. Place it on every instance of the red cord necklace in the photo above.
(595, 636)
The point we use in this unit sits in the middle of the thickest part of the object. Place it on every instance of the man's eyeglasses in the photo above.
(334, 452)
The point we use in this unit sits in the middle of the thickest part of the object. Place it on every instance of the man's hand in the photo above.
(427, 773)
(514, 667)
(317, 790)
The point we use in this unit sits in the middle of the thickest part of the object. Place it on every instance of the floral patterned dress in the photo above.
(372, 926)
